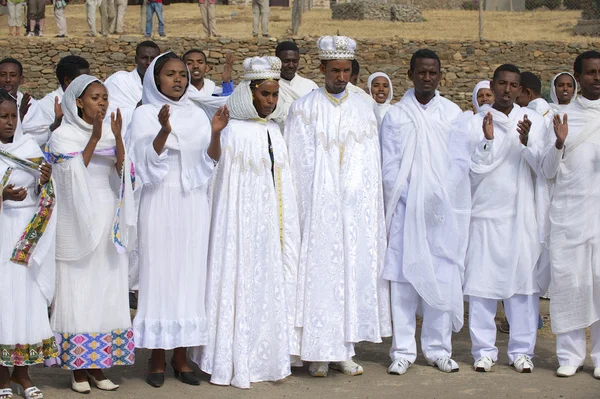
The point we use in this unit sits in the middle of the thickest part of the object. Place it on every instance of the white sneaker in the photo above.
(597, 373)
(523, 364)
(568, 371)
(318, 369)
(348, 367)
(445, 364)
(30, 34)
(484, 364)
(399, 366)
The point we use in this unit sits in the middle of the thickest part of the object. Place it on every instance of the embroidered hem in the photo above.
(96, 350)
(28, 354)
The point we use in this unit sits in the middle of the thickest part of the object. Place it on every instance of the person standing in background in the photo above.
(15, 16)
(107, 16)
(120, 9)
(59, 17)
(260, 12)
(37, 15)
(208, 9)
(152, 7)
(90, 12)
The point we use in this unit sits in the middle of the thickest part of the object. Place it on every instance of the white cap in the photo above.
(336, 48)
(258, 68)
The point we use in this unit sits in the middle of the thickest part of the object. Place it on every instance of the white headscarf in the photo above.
(385, 106)
(484, 84)
(553, 95)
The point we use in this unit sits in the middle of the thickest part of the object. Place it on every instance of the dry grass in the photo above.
(184, 20)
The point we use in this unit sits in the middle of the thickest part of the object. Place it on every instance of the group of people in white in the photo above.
(277, 222)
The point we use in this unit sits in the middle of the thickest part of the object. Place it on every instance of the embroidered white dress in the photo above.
(255, 241)
(27, 290)
(336, 165)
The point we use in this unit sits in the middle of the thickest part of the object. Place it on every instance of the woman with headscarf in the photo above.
(563, 90)
(26, 255)
(482, 96)
(175, 149)
(379, 86)
(255, 241)
(94, 184)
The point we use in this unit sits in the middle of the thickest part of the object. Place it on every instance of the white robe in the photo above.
(251, 290)
(335, 160)
(290, 91)
(542, 107)
(426, 192)
(124, 92)
(208, 98)
(25, 334)
(575, 219)
(504, 244)
(42, 116)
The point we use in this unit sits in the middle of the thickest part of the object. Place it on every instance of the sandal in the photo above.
(6, 393)
(29, 393)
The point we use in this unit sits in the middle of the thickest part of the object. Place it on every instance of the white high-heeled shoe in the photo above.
(104, 385)
(29, 393)
(81, 387)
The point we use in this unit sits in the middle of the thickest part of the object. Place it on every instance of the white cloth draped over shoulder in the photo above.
(42, 116)
(427, 199)
(174, 220)
(124, 93)
(336, 165)
(290, 91)
(383, 108)
(575, 219)
(81, 229)
(253, 259)
(504, 244)
(205, 98)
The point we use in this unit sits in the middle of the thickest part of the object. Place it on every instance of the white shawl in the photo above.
(556, 106)
(484, 84)
(383, 108)
(241, 106)
(80, 229)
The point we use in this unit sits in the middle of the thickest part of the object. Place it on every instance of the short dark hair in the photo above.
(587, 55)
(10, 60)
(506, 68)
(424, 53)
(70, 67)
(355, 68)
(5, 96)
(530, 81)
(286, 46)
(192, 51)
(146, 43)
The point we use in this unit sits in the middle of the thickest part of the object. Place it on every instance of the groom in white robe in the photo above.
(334, 153)
(47, 115)
(572, 159)
(504, 243)
(291, 85)
(426, 191)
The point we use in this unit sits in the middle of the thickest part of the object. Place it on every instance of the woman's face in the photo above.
(8, 121)
(173, 79)
(93, 101)
(485, 96)
(565, 89)
(380, 89)
(264, 97)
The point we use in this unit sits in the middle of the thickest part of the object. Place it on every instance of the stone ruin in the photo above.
(359, 10)
(589, 24)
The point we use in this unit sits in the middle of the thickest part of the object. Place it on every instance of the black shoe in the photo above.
(189, 377)
(156, 380)
(133, 300)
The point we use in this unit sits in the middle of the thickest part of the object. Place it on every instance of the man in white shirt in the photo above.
(11, 77)
(531, 97)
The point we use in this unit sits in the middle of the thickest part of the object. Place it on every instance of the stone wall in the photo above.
(463, 63)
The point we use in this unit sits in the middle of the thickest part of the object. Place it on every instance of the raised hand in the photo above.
(116, 123)
(58, 112)
(25, 104)
(163, 118)
(228, 67)
(10, 193)
(523, 127)
(220, 120)
(488, 126)
(45, 173)
(561, 130)
(97, 125)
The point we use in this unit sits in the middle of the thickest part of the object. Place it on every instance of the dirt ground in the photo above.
(236, 22)
(421, 381)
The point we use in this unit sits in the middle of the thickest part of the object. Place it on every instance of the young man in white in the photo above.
(504, 242)
(426, 191)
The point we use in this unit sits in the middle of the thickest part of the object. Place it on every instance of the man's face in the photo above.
(144, 58)
(426, 76)
(10, 78)
(337, 74)
(290, 59)
(525, 97)
(197, 65)
(589, 78)
(506, 87)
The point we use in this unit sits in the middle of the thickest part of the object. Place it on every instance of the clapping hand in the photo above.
(163, 118)
(523, 127)
(220, 120)
(488, 126)
(561, 130)
(10, 193)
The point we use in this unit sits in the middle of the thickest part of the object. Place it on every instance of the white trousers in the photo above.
(436, 333)
(571, 348)
(522, 313)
